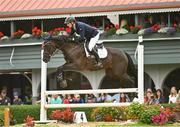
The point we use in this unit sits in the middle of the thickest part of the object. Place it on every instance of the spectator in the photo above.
(159, 95)
(70, 99)
(56, 99)
(116, 98)
(173, 95)
(124, 98)
(66, 100)
(108, 97)
(17, 100)
(78, 99)
(90, 98)
(149, 98)
(178, 97)
(28, 99)
(4, 100)
(101, 98)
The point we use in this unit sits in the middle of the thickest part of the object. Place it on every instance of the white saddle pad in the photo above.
(102, 52)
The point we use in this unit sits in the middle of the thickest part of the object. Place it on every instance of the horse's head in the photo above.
(49, 48)
(52, 43)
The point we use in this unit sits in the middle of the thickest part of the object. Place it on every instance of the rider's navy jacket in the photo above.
(85, 31)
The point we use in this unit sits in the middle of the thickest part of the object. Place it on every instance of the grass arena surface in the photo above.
(102, 124)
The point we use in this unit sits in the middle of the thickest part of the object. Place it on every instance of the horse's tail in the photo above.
(131, 70)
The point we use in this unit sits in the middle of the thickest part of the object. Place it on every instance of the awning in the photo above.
(48, 9)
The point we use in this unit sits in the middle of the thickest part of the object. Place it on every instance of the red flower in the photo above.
(68, 30)
(117, 26)
(36, 32)
(107, 28)
(1, 34)
(175, 25)
(131, 27)
(139, 27)
(155, 27)
(18, 34)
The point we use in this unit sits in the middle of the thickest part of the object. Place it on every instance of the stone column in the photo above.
(36, 77)
(94, 77)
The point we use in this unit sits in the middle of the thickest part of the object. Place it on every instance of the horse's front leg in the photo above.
(60, 73)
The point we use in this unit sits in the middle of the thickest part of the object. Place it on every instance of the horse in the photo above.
(118, 65)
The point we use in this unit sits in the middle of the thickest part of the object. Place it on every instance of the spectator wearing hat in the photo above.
(149, 97)
(17, 100)
(77, 99)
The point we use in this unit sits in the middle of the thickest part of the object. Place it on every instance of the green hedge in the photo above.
(1, 118)
(20, 112)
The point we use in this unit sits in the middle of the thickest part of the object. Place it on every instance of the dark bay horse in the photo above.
(118, 64)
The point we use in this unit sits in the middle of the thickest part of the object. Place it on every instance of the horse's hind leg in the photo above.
(127, 81)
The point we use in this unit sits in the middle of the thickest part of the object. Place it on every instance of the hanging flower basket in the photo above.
(18, 34)
(36, 32)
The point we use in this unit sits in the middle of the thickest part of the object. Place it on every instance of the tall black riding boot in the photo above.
(98, 60)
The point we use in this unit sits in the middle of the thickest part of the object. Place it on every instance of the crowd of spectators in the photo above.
(149, 98)
(158, 98)
(87, 98)
(5, 100)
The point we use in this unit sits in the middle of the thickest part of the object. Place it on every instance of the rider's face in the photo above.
(70, 25)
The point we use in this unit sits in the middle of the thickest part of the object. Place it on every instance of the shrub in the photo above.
(109, 114)
(148, 113)
(160, 119)
(1, 118)
(134, 110)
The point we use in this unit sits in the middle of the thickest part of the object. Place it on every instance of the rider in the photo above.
(88, 34)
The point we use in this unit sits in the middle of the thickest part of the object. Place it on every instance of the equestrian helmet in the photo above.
(69, 20)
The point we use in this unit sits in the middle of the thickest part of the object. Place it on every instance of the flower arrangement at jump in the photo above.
(63, 116)
(29, 121)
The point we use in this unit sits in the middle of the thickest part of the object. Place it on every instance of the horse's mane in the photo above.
(67, 39)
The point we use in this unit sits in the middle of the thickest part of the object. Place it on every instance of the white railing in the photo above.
(86, 105)
(125, 90)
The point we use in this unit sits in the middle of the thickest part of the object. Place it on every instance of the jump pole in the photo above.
(43, 111)
(140, 50)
